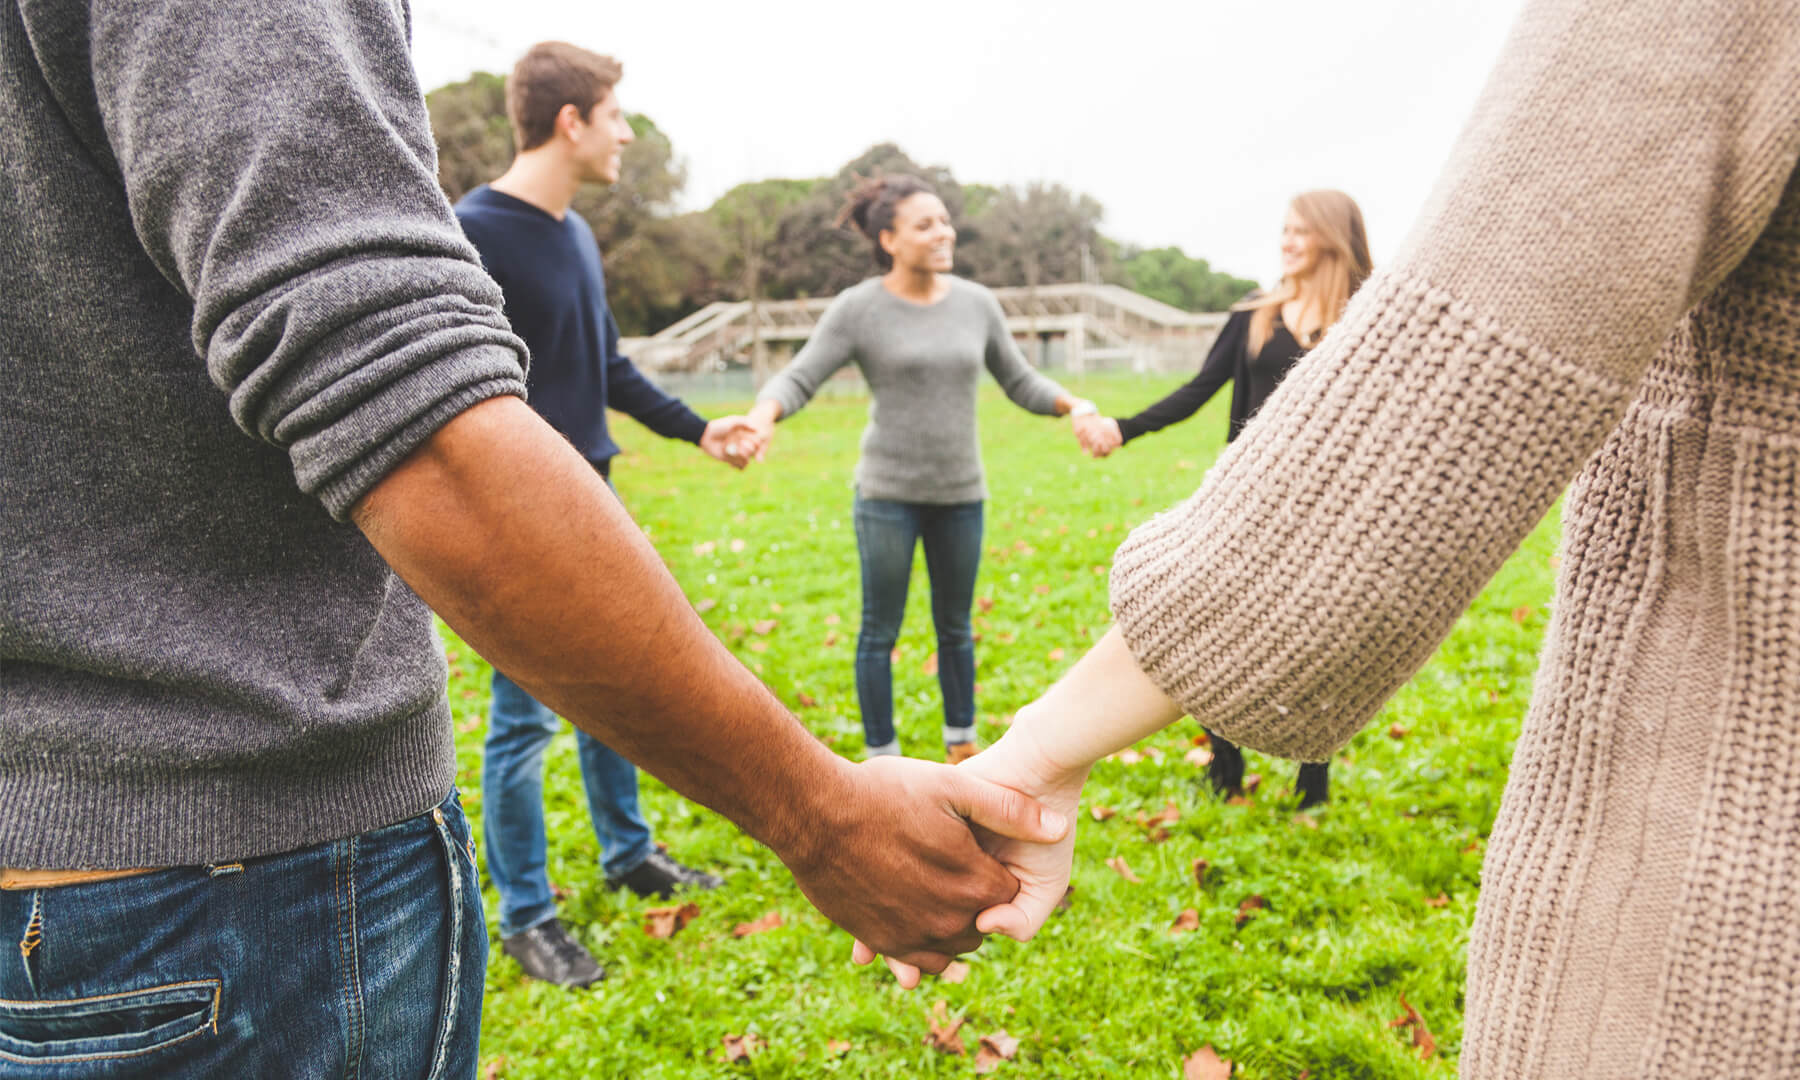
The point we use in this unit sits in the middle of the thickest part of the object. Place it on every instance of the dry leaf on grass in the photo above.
(1041, 590)
(1199, 757)
(839, 1047)
(1101, 813)
(1249, 907)
(1421, 1038)
(1200, 868)
(1189, 919)
(832, 620)
(495, 1069)
(758, 646)
(706, 605)
(1128, 757)
(1252, 782)
(930, 666)
(740, 1047)
(995, 1050)
(1117, 863)
(1306, 821)
(807, 701)
(1068, 900)
(767, 922)
(1056, 655)
(945, 1035)
(765, 626)
(830, 640)
(1205, 1064)
(1521, 613)
(663, 922)
(1395, 731)
(1440, 900)
(956, 972)
(705, 548)
(985, 603)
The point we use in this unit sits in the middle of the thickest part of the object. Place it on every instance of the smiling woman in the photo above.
(921, 338)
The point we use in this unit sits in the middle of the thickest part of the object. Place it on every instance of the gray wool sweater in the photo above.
(923, 364)
(232, 298)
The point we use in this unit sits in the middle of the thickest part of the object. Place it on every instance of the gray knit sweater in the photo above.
(1604, 287)
(232, 297)
(923, 364)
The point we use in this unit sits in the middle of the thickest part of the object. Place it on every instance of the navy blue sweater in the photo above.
(555, 291)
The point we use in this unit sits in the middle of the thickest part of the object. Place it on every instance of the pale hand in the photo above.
(1099, 435)
(731, 439)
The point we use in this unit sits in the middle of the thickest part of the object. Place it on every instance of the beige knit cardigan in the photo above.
(1604, 287)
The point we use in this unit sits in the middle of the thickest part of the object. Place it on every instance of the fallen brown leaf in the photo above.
(1395, 731)
(1199, 757)
(1440, 900)
(706, 605)
(945, 1037)
(1252, 782)
(705, 548)
(956, 972)
(1306, 821)
(1117, 863)
(840, 1047)
(1202, 739)
(1189, 919)
(765, 626)
(1238, 800)
(1205, 1064)
(807, 701)
(985, 603)
(1249, 907)
(758, 646)
(1101, 813)
(1521, 613)
(1128, 757)
(740, 1047)
(767, 922)
(930, 666)
(1200, 868)
(663, 922)
(1421, 1038)
(994, 1050)
(830, 640)
(495, 1069)
(1041, 590)
(1068, 900)
(832, 620)
(1055, 655)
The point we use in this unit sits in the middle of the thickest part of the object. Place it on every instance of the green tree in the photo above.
(1172, 276)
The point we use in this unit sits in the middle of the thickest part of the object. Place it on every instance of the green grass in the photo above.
(1105, 990)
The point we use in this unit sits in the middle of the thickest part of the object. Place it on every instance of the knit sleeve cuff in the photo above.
(1335, 543)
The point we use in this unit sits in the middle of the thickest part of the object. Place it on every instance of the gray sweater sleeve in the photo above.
(281, 173)
(1028, 388)
(831, 346)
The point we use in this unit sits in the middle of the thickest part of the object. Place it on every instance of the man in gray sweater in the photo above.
(261, 414)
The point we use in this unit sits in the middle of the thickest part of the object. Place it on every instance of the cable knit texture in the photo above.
(1604, 288)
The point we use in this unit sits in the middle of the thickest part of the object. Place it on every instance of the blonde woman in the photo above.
(1324, 258)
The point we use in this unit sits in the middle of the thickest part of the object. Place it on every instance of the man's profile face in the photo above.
(601, 139)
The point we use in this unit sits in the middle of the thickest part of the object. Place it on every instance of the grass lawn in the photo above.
(1369, 898)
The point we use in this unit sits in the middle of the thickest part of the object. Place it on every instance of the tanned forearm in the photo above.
(513, 539)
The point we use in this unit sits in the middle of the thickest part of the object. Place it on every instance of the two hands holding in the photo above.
(739, 440)
(1098, 435)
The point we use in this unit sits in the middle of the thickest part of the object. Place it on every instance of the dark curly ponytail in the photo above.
(869, 208)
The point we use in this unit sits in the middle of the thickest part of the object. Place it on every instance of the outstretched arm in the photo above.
(499, 525)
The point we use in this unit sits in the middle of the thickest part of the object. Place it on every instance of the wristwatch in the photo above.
(1083, 407)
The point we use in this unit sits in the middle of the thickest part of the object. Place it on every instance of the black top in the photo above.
(1252, 379)
(555, 289)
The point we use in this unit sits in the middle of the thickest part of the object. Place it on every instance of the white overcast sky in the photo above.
(1191, 122)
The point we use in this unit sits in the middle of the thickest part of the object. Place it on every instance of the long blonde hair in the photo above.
(1342, 266)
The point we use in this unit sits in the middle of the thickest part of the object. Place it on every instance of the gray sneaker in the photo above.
(547, 952)
(658, 875)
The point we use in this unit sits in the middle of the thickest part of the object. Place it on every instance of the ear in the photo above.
(888, 241)
(569, 121)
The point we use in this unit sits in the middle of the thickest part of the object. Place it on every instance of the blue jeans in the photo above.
(886, 534)
(358, 957)
(512, 805)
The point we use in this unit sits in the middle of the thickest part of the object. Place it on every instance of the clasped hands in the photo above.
(1037, 861)
(1098, 435)
(735, 440)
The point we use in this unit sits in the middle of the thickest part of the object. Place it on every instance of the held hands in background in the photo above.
(731, 439)
(1099, 435)
(899, 867)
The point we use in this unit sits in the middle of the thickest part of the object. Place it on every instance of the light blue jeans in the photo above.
(360, 957)
(512, 805)
(887, 532)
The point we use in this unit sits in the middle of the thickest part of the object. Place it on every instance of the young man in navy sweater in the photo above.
(569, 130)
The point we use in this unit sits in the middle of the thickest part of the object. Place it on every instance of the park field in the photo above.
(1309, 931)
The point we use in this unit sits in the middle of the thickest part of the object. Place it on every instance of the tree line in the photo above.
(775, 240)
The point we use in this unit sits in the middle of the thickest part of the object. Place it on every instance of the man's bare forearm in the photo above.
(518, 544)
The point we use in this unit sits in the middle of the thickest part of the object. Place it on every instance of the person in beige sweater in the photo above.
(1603, 288)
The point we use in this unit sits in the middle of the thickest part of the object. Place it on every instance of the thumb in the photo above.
(1004, 811)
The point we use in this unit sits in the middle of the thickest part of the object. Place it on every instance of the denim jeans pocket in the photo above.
(107, 1026)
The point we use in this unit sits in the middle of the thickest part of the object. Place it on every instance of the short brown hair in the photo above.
(550, 75)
